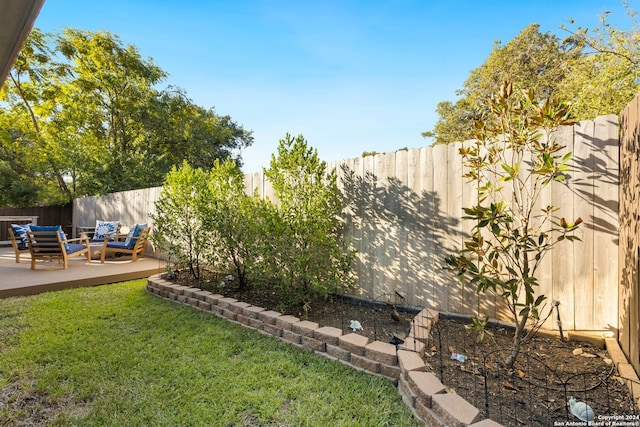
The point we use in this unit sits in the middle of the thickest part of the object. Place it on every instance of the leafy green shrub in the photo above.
(294, 244)
(233, 218)
(305, 253)
(180, 227)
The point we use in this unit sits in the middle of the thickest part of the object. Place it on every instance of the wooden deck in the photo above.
(18, 279)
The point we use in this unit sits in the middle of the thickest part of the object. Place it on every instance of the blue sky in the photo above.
(351, 75)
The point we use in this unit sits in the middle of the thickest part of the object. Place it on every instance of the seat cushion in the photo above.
(104, 228)
(117, 245)
(74, 247)
(132, 237)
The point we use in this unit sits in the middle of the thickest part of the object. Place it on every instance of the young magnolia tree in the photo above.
(514, 158)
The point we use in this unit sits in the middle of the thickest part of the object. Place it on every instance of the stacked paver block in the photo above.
(353, 343)
(412, 344)
(252, 312)
(201, 302)
(454, 410)
(225, 302)
(331, 337)
(410, 361)
(424, 385)
(213, 299)
(268, 318)
(385, 355)
(224, 308)
(201, 295)
(328, 334)
(305, 329)
(237, 307)
(403, 364)
(285, 323)
(178, 292)
(190, 296)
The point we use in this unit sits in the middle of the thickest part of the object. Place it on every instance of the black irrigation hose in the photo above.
(602, 378)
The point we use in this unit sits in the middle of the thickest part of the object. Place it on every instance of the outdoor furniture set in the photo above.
(50, 243)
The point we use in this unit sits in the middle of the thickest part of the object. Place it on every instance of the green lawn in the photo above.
(115, 355)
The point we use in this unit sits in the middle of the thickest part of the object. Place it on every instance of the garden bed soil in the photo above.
(376, 318)
(536, 391)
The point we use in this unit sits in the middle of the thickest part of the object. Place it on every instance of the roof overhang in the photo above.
(16, 21)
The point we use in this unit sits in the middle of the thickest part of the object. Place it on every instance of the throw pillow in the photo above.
(104, 228)
(20, 233)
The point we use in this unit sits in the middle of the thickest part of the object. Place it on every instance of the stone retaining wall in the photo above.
(420, 390)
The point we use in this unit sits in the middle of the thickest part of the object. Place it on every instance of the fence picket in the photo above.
(583, 179)
(606, 228)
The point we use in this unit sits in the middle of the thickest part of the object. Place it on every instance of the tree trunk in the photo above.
(61, 183)
(517, 341)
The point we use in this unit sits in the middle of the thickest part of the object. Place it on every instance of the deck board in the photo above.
(18, 279)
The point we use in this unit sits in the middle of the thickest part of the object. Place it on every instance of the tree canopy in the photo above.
(82, 114)
(597, 71)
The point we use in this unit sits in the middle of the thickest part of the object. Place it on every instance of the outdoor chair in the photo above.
(18, 238)
(49, 243)
(102, 230)
(133, 245)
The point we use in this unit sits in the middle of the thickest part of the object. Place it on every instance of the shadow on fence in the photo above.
(535, 392)
(401, 235)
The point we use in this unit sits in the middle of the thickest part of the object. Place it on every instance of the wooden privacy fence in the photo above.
(629, 261)
(128, 207)
(46, 215)
(404, 215)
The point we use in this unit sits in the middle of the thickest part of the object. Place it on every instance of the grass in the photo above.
(115, 355)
